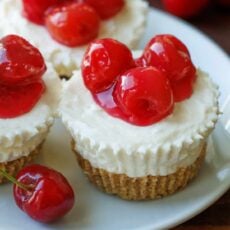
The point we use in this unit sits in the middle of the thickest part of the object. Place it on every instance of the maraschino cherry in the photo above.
(73, 23)
(171, 56)
(144, 95)
(34, 10)
(106, 8)
(141, 92)
(21, 69)
(20, 62)
(104, 60)
(16, 101)
(43, 193)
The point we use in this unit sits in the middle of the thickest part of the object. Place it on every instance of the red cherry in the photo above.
(144, 94)
(183, 89)
(20, 62)
(49, 195)
(15, 101)
(106, 8)
(104, 60)
(185, 8)
(73, 24)
(145, 60)
(170, 55)
(34, 10)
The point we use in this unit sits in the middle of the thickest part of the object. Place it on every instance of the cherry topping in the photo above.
(141, 91)
(170, 55)
(182, 89)
(15, 101)
(73, 24)
(48, 196)
(34, 10)
(20, 62)
(21, 70)
(185, 8)
(144, 95)
(104, 60)
(106, 8)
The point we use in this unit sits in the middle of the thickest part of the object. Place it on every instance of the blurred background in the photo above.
(210, 16)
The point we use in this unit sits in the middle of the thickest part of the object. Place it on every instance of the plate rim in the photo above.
(225, 187)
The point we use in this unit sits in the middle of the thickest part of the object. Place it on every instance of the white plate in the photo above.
(96, 210)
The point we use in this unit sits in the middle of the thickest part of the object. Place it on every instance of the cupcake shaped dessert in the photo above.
(61, 29)
(29, 96)
(139, 126)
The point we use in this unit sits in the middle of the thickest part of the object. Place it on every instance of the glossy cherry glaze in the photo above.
(16, 101)
(21, 69)
(144, 95)
(49, 195)
(106, 8)
(169, 55)
(143, 91)
(185, 8)
(20, 62)
(104, 60)
(34, 10)
(73, 24)
(183, 89)
(141, 96)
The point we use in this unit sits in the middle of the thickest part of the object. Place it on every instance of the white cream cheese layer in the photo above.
(119, 147)
(127, 26)
(20, 135)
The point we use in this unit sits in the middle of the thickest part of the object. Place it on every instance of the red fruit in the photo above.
(104, 60)
(73, 24)
(20, 62)
(15, 101)
(145, 60)
(170, 55)
(34, 10)
(106, 8)
(183, 88)
(185, 8)
(144, 94)
(49, 195)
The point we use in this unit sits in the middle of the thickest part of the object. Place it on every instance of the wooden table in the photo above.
(215, 22)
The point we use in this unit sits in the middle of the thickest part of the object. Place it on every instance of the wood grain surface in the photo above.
(215, 23)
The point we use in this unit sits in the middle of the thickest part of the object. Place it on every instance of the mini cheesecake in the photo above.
(139, 162)
(127, 26)
(133, 160)
(23, 130)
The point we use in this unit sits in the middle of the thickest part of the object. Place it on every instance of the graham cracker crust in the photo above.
(140, 188)
(12, 167)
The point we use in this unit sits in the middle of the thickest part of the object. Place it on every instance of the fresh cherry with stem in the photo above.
(43, 193)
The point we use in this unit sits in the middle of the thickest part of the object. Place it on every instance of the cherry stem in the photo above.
(13, 180)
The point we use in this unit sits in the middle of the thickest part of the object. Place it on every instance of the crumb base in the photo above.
(140, 188)
(12, 167)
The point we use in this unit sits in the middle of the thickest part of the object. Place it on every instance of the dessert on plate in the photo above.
(139, 126)
(41, 22)
(29, 97)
